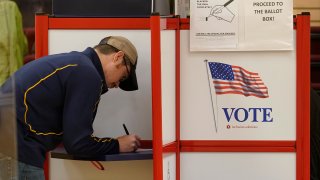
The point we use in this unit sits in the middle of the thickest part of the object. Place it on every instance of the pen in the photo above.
(125, 129)
(227, 3)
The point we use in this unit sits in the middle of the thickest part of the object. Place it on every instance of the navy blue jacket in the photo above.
(56, 101)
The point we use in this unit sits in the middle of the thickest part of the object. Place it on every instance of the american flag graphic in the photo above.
(230, 79)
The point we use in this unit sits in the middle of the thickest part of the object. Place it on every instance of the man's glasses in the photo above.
(128, 73)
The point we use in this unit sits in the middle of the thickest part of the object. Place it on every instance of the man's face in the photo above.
(116, 70)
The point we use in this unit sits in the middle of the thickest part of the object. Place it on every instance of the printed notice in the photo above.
(213, 24)
(241, 25)
(269, 24)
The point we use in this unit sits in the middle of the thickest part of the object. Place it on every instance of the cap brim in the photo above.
(130, 84)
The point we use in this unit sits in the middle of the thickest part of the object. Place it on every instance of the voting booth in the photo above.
(229, 134)
(195, 131)
(149, 112)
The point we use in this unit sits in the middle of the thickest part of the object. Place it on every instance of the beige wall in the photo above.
(312, 6)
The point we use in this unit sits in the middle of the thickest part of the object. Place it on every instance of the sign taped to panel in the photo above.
(241, 25)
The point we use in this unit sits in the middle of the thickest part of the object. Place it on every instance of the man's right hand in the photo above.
(129, 143)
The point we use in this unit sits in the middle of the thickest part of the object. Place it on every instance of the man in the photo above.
(57, 98)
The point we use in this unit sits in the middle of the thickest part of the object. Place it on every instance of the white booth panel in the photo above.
(242, 166)
(208, 116)
(116, 107)
(168, 85)
(83, 170)
(169, 166)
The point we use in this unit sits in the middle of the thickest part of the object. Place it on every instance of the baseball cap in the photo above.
(123, 44)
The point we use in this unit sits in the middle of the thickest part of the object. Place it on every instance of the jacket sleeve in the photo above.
(83, 90)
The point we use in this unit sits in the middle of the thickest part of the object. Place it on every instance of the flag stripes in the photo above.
(230, 79)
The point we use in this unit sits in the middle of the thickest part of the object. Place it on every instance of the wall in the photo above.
(312, 6)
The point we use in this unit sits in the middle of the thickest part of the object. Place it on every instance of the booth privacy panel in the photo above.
(83, 170)
(168, 86)
(261, 98)
(169, 166)
(116, 107)
(8, 137)
(244, 166)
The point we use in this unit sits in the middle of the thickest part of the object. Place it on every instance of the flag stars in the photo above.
(221, 71)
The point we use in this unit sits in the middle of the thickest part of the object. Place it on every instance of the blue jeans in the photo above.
(28, 172)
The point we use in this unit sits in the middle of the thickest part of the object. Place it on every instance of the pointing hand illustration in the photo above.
(222, 12)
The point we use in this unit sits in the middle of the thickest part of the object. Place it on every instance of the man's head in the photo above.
(118, 57)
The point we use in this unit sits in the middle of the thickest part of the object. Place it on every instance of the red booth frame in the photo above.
(302, 144)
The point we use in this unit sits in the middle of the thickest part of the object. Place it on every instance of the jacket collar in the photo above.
(93, 56)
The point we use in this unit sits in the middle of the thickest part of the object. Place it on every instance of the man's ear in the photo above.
(118, 56)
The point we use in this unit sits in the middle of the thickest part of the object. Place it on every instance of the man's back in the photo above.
(42, 89)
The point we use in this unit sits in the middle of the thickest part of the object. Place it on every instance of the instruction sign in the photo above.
(241, 25)
(214, 24)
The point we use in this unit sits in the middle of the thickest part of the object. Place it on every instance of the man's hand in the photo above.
(129, 143)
